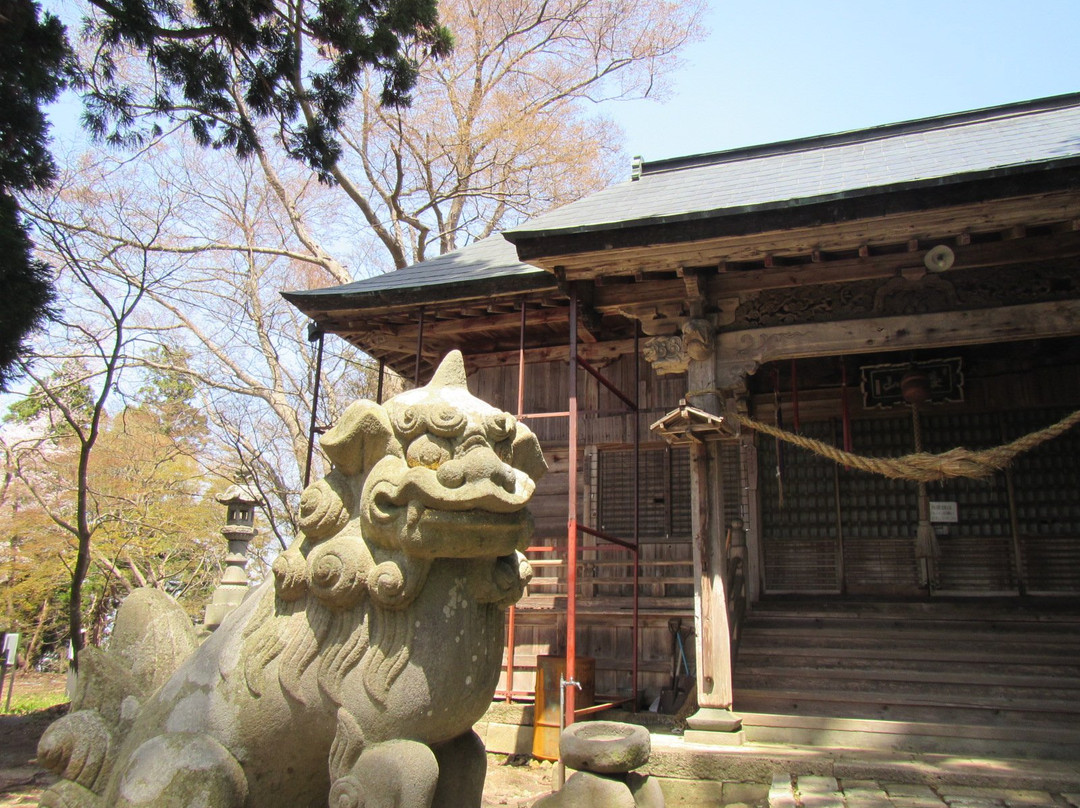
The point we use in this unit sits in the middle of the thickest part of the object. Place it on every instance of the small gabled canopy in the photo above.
(469, 299)
(685, 425)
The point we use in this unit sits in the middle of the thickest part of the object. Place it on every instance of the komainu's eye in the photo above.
(446, 422)
(429, 451)
(500, 426)
(408, 422)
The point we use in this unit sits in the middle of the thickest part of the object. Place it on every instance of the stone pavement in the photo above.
(21, 795)
(809, 791)
(22, 785)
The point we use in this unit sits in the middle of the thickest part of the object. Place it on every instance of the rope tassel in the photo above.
(779, 415)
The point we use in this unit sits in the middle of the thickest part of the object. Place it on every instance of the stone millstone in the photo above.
(585, 789)
(604, 747)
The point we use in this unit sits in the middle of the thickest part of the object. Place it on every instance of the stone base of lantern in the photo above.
(226, 598)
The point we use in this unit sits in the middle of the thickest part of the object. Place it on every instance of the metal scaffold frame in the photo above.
(575, 527)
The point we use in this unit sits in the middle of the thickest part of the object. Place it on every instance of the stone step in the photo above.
(1063, 641)
(979, 609)
(961, 686)
(823, 791)
(759, 762)
(840, 705)
(926, 658)
(914, 736)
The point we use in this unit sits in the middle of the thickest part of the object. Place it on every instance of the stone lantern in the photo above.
(238, 531)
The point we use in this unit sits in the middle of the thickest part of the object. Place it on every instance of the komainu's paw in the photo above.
(180, 770)
(66, 794)
(76, 747)
(389, 775)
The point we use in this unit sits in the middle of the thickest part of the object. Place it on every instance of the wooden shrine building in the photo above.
(909, 288)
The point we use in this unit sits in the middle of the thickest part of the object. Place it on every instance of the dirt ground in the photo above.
(511, 782)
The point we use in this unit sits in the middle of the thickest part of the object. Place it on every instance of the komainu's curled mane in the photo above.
(356, 675)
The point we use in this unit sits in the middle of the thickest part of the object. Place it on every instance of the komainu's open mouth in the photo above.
(477, 517)
(508, 492)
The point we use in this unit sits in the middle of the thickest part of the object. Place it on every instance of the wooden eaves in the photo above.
(822, 194)
(698, 236)
(472, 300)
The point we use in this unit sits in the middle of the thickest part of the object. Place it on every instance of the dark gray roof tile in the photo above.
(791, 173)
(951, 146)
(492, 257)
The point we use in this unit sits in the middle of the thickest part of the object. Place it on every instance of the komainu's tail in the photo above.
(150, 639)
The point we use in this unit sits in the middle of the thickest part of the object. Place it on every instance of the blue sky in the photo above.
(779, 69)
(773, 70)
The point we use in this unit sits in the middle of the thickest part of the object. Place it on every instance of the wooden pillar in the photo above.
(714, 722)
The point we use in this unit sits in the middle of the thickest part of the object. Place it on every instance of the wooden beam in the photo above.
(628, 297)
(696, 288)
(994, 253)
(594, 352)
(612, 299)
(589, 326)
(932, 225)
(908, 332)
(491, 322)
(584, 333)
(436, 300)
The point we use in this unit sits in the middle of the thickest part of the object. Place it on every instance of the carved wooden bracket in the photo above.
(667, 355)
(731, 376)
(673, 354)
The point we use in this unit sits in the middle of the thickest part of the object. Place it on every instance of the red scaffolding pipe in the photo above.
(571, 520)
(596, 374)
(573, 525)
(511, 634)
(419, 349)
(606, 537)
(636, 424)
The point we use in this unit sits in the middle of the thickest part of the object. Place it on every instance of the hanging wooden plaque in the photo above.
(881, 386)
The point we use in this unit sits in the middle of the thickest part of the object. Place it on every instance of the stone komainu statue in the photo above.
(353, 678)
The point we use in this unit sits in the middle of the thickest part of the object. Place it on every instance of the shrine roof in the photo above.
(745, 188)
(1023, 137)
(490, 260)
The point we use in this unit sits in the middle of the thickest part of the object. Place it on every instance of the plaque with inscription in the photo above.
(881, 384)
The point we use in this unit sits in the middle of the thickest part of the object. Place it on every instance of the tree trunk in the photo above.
(35, 641)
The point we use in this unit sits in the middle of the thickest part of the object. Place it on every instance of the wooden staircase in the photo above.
(985, 678)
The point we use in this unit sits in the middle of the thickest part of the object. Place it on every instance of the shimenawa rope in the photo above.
(919, 466)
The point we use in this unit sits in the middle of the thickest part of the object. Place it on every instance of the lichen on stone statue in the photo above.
(355, 676)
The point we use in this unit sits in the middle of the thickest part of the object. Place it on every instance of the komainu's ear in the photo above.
(527, 455)
(360, 438)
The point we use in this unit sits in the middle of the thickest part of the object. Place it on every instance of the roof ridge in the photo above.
(867, 135)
